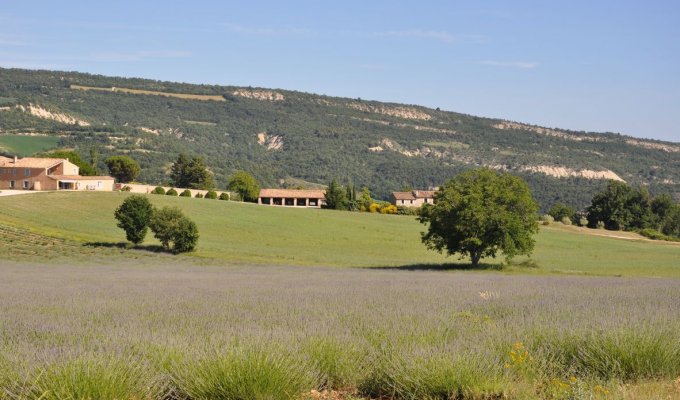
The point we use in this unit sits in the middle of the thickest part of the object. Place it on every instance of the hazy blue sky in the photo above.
(584, 65)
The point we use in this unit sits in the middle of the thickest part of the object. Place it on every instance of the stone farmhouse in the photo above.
(291, 198)
(48, 174)
(414, 198)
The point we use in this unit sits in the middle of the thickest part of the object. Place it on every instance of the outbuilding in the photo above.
(292, 197)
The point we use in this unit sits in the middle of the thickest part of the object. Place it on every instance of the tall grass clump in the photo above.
(436, 376)
(8, 378)
(620, 355)
(338, 365)
(244, 375)
(92, 378)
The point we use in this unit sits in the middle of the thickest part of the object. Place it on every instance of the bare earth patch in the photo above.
(43, 113)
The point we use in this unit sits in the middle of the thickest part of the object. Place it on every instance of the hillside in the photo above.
(287, 138)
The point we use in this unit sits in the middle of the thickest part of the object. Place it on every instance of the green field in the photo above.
(23, 146)
(240, 233)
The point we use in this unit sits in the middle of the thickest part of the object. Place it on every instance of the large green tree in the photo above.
(479, 213)
(133, 217)
(191, 173)
(123, 168)
(245, 185)
(621, 207)
(671, 224)
(336, 196)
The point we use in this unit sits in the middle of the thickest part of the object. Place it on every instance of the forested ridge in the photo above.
(289, 138)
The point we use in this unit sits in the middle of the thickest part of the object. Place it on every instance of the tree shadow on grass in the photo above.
(443, 267)
(154, 248)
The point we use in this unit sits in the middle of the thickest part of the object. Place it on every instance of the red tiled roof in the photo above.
(403, 195)
(414, 194)
(424, 194)
(31, 162)
(293, 193)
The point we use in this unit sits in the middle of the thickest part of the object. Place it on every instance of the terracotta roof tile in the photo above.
(31, 162)
(414, 194)
(424, 194)
(293, 193)
(403, 195)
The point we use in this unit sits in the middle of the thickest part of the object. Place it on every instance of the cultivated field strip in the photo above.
(192, 332)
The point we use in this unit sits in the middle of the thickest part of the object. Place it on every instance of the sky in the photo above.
(607, 66)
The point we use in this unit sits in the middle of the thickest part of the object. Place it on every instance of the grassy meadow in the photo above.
(240, 233)
(313, 304)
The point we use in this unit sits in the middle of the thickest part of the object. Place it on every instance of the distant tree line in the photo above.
(623, 207)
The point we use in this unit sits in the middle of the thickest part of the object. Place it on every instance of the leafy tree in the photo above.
(178, 171)
(671, 224)
(94, 159)
(559, 211)
(84, 168)
(661, 207)
(133, 217)
(479, 213)
(336, 196)
(123, 168)
(191, 173)
(365, 199)
(245, 185)
(175, 231)
(621, 207)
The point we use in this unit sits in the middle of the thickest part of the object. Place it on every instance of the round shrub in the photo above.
(199, 195)
(176, 232)
(566, 220)
(599, 225)
(171, 192)
(388, 209)
(224, 196)
(212, 195)
(583, 221)
(185, 193)
(374, 207)
(158, 190)
(126, 188)
(547, 219)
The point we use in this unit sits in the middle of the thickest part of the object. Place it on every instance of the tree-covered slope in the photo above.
(285, 136)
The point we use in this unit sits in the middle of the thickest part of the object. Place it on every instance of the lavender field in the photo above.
(208, 332)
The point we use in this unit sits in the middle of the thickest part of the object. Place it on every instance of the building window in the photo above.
(25, 184)
(12, 184)
(411, 201)
(27, 172)
(99, 184)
